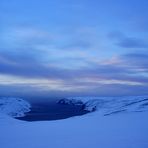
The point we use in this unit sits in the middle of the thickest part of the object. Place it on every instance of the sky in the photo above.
(73, 48)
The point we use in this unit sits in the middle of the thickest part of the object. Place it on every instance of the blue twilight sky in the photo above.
(73, 48)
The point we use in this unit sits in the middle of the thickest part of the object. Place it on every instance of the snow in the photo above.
(93, 130)
(110, 105)
(15, 107)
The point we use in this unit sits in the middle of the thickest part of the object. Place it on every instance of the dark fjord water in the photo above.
(52, 111)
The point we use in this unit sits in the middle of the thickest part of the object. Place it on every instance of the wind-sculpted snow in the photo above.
(109, 105)
(14, 107)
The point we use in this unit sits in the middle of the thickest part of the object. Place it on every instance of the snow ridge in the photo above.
(109, 105)
(14, 107)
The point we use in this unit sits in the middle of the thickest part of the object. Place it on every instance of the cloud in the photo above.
(136, 62)
(126, 69)
(22, 35)
(68, 68)
(132, 43)
(124, 41)
(27, 66)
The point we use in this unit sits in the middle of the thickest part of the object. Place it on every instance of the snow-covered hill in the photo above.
(15, 107)
(91, 130)
(109, 105)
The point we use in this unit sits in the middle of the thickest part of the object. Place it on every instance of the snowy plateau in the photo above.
(113, 122)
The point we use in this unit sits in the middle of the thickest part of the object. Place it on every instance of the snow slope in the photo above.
(109, 105)
(93, 130)
(15, 107)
